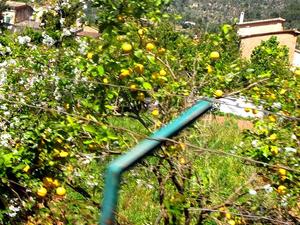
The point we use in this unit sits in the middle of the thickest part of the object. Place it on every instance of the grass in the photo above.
(220, 176)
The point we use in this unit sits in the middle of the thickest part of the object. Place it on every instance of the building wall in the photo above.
(259, 28)
(9, 17)
(23, 14)
(249, 43)
(296, 61)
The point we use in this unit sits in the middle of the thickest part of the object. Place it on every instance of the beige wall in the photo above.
(296, 61)
(249, 43)
(259, 28)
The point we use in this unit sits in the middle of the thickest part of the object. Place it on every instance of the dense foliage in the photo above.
(208, 14)
(60, 93)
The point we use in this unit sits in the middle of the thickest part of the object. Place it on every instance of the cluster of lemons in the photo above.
(283, 175)
(49, 183)
(229, 218)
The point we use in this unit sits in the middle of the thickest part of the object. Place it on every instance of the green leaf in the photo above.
(138, 53)
(151, 59)
(100, 70)
(147, 86)
(89, 128)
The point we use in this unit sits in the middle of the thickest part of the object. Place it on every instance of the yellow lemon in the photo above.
(133, 87)
(141, 96)
(218, 93)
(90, 55)
(273, 137)
(155, 112)
(55, 183)
(161, 51)
(222, 209)
(70, 168)
(209, 69)
(155, 75)
(254, 111)
(282, 91)
(141, 32)
(214, 55)
(283, 178)
(105, 81)
(274, 150)
(42, 192)
(272, 118)
(150, 46)
(121, 18)
(61, 191)
(228, 215)
(26, 168)
(282, 171)
(121, 37)
(281, 189)
(231, 222)
(162, 72)
(126, 47)
(47, 181)
(273, 97)
(182, 160)
(297, 72)
(182, 146)
(247, 109)
(124, 73)
(63, 154)
(139, 68)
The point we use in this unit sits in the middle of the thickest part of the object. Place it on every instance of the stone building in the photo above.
(254, 32)
(17, 12)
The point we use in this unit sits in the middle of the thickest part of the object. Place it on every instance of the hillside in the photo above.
(209, 13)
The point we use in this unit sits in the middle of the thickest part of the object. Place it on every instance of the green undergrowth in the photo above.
(220, 175)
(217, 176)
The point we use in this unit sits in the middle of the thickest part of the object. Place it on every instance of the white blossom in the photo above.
(252, 192)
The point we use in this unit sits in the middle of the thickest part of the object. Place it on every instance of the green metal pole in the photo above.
(146, 147)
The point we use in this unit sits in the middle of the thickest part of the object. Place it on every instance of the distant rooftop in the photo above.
(294, 32)
(14, 4)
(256, 22)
